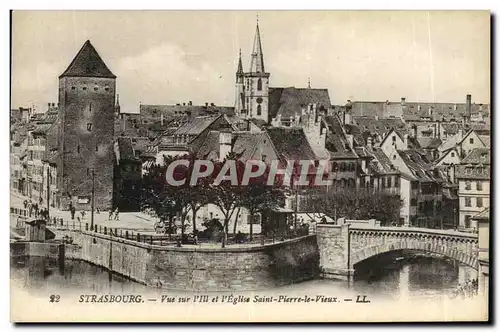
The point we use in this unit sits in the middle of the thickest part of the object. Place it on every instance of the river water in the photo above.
(399, 279)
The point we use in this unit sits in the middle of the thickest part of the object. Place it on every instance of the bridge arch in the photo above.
(377, 249)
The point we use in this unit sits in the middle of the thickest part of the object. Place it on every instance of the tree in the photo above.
(156, 198)
(181, 199)
(355, 204)
(258, 196)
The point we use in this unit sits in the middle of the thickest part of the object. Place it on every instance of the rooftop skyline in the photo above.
(162, 57)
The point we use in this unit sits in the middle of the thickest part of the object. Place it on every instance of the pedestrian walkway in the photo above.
(128, 220)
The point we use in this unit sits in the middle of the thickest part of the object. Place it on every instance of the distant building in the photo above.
(473, 176)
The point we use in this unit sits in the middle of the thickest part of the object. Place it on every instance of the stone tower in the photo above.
(239, 99)
(86, 131)
(257, 83)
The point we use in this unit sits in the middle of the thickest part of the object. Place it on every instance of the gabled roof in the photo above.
(454, 140)
(195, 126)
(289, 102)
(478, 156)
(380, 162)
(380, 126)
(156, 111)
(336, 141)
(87, 63)
(420, 166)
(245, 145)
(291, 143)
(429, 142)
(446, 153)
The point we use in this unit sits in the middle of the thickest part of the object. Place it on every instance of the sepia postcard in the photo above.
(250, 166)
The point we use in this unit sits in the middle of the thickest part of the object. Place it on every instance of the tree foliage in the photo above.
(355, 204)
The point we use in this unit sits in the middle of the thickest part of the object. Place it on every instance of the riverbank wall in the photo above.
(196, 268)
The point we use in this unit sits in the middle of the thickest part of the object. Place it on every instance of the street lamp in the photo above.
(92, 201)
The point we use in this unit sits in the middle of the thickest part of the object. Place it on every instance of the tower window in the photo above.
(106, 88)
(84, 88)
(259, 110)
(78, 148)
(73, 88)
(97, 148)
(96, 88)
(89, 126)
(259, 84)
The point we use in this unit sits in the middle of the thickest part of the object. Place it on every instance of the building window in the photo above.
(84, 88)
(89, 126)
(389, 182)
(73, 88)
(471, 140)
(467, 185)
(453, 154)
(259, 85)
(467, 201)
(106, 89)
(97, 148)
(394, 138)
(396, 182)
(78, 148)
(414, 185)
(334, 167)
(479, 185)
(96, 88)
(479, 202)
(467, 221)
(259, 110)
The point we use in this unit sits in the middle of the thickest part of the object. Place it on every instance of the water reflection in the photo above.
(405, 279)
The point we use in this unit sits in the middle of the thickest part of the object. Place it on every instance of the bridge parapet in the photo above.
(343, 246)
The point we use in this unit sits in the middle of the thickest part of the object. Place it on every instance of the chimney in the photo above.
(212, 104)
(369, 142)
(430, 112)
(206, 104)
(405, 141)
(468, 105)
(419, 108)
(454, 107)
(190, 103)
(481, 107)
(225, 138)
(49, 105)
(460, 134)
(403, 101)
(161, 119)
(183, 104)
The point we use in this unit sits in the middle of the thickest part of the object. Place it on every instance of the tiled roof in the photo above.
(478, 156)
(380, 126)
(441, 111)
(453, 141)
(486, 139)
(289, 102)
(429, 142)
(245, 145)
(125, 148)
(381, 163)
(336, 141)
(291, 143)
(420, 166)
(195, 125)
(42, 128)
(451, 128)
(359, 136)
(155, 111)
(88, 63)
(370, 108)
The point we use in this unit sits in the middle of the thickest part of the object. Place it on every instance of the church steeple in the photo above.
(239, 72)
(257, 63)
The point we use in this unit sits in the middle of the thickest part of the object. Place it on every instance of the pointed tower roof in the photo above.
(257, 64)
(87, 63)
(239, 72)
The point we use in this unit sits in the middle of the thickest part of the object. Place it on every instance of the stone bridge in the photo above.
(342, 247)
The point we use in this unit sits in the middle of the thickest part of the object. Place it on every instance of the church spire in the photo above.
(257, 64)
(239, 72)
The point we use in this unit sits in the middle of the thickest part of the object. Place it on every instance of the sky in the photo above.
(169, 57)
